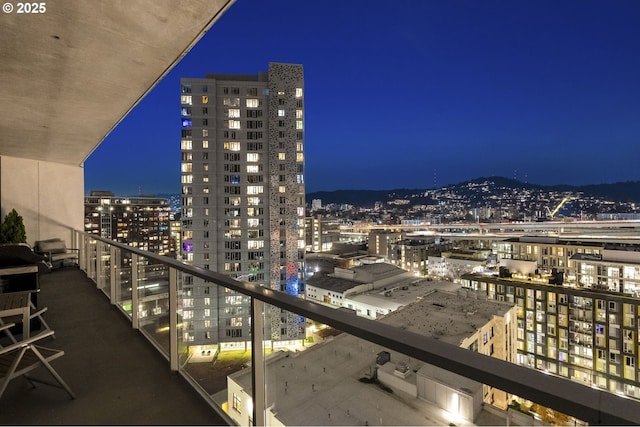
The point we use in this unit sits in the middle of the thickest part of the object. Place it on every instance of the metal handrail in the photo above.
(585, 403)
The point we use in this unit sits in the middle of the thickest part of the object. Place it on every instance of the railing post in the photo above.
(115, 294)
(82, 256)
(100, 269)
(134, 291)
(90, 267)
(173, 318)
(258, 362)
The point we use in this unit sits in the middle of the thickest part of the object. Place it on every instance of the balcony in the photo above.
(117, 376)
(131, 367)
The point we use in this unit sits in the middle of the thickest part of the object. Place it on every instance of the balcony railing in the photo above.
(260, 382)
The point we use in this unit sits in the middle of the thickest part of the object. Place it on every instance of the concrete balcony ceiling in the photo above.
(70, 74)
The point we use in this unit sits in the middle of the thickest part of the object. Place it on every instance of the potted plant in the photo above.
(12, 229)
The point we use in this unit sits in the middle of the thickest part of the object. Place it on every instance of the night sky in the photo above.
(417, 93)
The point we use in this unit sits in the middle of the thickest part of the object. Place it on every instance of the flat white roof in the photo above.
(321, 385)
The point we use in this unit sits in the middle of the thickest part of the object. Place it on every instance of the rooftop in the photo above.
(314, 398)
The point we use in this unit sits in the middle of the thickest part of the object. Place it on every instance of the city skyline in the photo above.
(420, 95)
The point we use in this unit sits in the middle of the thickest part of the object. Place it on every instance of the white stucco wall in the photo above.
(49, 196)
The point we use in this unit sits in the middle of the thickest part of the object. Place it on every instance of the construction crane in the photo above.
(552, 213)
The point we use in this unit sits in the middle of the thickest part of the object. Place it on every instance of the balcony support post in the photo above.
(134, 292)
(173, 318)
(258, 362)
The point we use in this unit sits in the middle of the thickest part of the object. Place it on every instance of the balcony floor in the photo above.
(118, 376)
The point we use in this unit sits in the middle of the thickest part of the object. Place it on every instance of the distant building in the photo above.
(371, 290)
(381, 240)
(316, 204)
(412, 254)
(321, 233)
(141, 222)
(453, 264)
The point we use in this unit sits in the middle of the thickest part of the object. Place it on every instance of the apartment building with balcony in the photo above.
(587, 335)
(548, 252)
(243, 198)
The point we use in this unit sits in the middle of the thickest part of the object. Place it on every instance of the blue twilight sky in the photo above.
(417, 93)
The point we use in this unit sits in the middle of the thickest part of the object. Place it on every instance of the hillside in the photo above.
(477, 190)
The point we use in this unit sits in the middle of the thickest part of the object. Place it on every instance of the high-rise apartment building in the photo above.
(243, 199)
(141, 222)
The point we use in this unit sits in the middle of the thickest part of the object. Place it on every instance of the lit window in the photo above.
(205, 99)
(234, 124)
(234, 113)
(187, 167)
(231, 102)
(255, 244)
(280, 113)
(300, 179)
(255, 189)
(298, 124)
(232, 146)
(186, 144)
(253, 157)
(299, 146)
(253, 103)
(298, 92)
(187, 179)
(253, 201)
(205, 144)
(186, 99)
(298, 114)
(300, 157)
(205, 132)
(282, 189)
(282, 156)
(253, 169)
(300, 211)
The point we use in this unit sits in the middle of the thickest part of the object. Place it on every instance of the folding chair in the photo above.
(32, 315)
(16, 360)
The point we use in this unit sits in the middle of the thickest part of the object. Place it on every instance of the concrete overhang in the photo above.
(72, 73)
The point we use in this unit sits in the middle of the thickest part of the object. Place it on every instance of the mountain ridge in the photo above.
(625, 191)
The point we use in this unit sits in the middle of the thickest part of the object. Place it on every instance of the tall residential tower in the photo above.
(243, 198)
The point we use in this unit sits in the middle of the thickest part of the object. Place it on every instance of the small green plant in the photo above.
(12, 229)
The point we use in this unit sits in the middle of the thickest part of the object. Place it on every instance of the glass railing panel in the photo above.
(153, 302)
(103, 264)
(214, 337)
(90, 254)
(123, 281)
